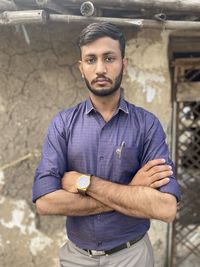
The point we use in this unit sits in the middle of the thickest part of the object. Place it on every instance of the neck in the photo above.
(107, 105)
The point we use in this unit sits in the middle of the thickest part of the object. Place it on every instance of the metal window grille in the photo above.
(186, 104)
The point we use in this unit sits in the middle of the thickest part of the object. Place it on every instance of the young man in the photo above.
(105, 165)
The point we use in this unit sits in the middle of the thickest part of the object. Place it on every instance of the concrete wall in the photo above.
(36, 81)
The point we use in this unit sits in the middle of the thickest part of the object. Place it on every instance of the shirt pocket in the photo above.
(126, 163)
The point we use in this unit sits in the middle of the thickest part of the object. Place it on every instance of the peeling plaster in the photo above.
(2, 178)
(1, 243)
(17, 217)
(39, 243)
(16, 221)
(2, 182)
(150, 94)
(144, 78)
(20, 214)
(2, 200)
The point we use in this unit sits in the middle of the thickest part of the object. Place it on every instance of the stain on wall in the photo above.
(36, 81)
(148, 79)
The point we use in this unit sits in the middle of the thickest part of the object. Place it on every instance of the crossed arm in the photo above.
(138, 199)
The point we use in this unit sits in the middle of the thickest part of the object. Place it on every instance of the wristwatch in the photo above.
(83, 183)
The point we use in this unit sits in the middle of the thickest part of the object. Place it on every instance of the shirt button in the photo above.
(99, 243)
(101, 157)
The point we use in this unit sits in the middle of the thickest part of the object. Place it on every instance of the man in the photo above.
(105, 165)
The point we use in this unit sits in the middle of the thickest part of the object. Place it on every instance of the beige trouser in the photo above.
(139, 254)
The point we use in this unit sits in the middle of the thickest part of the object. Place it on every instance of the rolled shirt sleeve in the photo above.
(155, 147)
(53, 163)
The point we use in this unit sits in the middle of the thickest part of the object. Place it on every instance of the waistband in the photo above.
(128, 244)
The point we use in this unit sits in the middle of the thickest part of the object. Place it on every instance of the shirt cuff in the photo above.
(44, 186)
(172, 188)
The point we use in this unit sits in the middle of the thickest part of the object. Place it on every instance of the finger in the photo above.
(160, 183)
(158, 169)
(160, 175)
(152, 163)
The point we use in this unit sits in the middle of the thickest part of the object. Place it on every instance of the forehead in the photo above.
(101, 46)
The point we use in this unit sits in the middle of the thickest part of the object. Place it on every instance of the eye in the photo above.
(109, 59)
(90, 60)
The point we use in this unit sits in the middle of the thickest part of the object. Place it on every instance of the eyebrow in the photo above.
(104, 54)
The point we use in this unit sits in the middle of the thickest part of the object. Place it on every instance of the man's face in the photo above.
(102, 66)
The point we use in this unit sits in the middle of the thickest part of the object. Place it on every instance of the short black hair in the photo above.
(95, 31)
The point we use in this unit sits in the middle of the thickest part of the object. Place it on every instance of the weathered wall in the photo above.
(36, 81)
(148, 84)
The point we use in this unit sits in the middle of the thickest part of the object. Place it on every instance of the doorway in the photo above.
(185, 231)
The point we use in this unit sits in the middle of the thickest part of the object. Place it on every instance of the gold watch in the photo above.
(82, 184)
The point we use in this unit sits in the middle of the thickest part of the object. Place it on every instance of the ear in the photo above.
(80, 65)
(125, 64)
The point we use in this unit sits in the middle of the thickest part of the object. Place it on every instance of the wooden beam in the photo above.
(178, 6)
(187, 62)
(40, 16)
(163, 5)
(137, 23)
(185, 44)
(22, 17)
(189, 91)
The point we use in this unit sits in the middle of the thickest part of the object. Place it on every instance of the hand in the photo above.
(153, 174)
(69, 181)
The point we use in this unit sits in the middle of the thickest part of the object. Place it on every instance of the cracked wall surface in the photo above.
(36, 81)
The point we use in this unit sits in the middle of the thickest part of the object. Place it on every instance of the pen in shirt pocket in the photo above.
(119, 149)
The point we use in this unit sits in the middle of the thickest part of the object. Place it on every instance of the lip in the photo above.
(101, 80)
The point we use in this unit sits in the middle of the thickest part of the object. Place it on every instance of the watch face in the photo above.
(83, 182)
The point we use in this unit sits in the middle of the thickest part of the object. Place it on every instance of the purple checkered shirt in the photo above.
(78, 139)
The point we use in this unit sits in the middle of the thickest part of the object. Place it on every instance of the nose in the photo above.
(100, 67)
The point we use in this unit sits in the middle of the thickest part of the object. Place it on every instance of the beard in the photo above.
(106, 91)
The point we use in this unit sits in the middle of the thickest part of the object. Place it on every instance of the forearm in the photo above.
(61, 202)
(136, 201)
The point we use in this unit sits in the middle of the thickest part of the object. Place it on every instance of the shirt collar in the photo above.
(122, 106)
(89, 106)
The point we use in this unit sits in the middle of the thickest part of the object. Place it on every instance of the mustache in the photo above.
(101, 77)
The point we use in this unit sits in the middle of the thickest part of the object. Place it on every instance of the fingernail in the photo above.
(163, 160)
